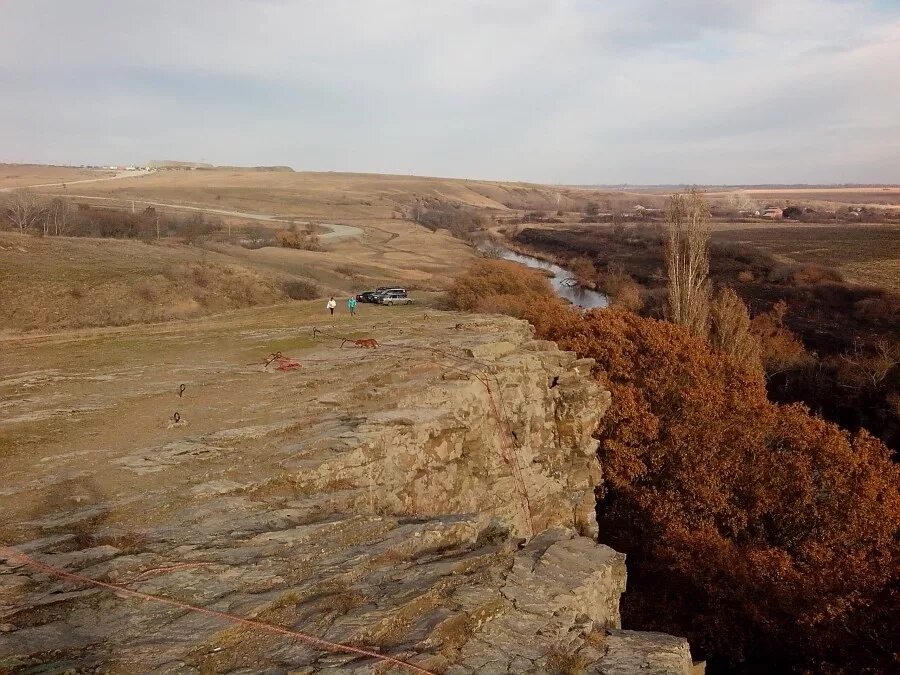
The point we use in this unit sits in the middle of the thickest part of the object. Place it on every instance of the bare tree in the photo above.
(56, 216)
(24, 209)
(741, 201)
(871, 367)
(490, 249)
(687, 259)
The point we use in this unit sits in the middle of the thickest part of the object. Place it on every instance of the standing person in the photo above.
(351, 305)
(331, 305)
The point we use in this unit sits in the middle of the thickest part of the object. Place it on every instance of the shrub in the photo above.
(300, 289)
(623, 292)
(201, 275)
(880, 308)
(347, 271)
(730, 329)
(629, 296)
(806, 274)
(293, 238)
(487, 279)
(780, 349)
(815, 274)
(147, 291)
(195, 228)
(459, 221)
(256, 236)
(583, 270)
(491, 250)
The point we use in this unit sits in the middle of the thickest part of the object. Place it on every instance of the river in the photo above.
(561, 281)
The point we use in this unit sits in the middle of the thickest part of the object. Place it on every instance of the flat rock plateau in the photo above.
(431, 499)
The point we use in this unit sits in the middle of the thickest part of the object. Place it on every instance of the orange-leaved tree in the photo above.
(498, 286)
(762, 532)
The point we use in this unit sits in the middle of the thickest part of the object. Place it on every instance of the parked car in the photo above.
(372, 296)
(394, 297)
(366, 296)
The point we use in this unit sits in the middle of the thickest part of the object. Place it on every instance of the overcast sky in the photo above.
(636, 91)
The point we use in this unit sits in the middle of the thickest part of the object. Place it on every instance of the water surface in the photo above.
(561, 281)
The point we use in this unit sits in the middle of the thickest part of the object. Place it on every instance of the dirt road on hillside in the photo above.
(125, 174)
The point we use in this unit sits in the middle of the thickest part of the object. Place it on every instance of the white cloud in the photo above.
(567, 91)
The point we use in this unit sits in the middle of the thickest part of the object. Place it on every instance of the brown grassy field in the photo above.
(22, 175)
(60, 282)
(865, 254)
(344, 196)
(887, 196)
(67, 282)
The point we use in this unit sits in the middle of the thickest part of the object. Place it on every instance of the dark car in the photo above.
(366, 296)
(372, 296)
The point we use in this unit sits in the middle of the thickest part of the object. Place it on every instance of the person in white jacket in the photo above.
(331, 305)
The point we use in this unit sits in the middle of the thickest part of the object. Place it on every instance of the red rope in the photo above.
(14, 555)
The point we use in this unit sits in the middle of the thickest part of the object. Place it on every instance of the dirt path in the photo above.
(127, 174)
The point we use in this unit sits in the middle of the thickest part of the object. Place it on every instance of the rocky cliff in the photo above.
(432, 499)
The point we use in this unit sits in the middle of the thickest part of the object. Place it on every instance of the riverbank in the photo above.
(561, 280)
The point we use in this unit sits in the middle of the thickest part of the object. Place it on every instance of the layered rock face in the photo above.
(433, 502)
(505, 431)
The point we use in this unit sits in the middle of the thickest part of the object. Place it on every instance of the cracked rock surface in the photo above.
(369, 498)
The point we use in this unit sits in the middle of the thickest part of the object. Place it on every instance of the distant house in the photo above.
(773, 213)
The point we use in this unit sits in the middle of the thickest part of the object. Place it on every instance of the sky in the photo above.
(553, 91)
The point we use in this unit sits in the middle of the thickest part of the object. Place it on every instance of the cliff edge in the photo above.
(431, 499)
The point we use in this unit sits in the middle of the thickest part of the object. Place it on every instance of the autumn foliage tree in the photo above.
(498, 286)
(731, 330)
(780, 349)
(765, 534)
(760, 530)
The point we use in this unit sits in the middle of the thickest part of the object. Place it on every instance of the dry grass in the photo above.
(20, 175)
(328, 196)
(872, 196)
(561, 661)
(867, 254)
(55, 283)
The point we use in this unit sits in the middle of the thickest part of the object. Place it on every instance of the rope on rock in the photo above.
(12, 554)
(281, 362)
